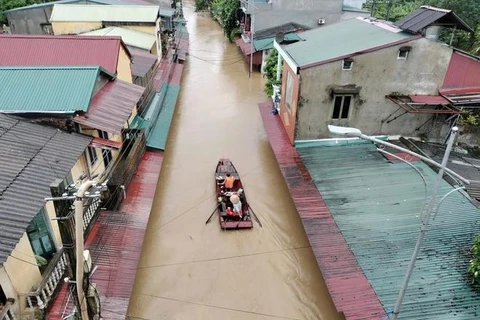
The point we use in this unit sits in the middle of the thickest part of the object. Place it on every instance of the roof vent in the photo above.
(321, 21)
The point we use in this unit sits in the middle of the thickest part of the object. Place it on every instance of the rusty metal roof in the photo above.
(111, 107)
(427, 16)
(142, 61)
(377, 206)
(462, 73)
(34, 50)
(33, 156)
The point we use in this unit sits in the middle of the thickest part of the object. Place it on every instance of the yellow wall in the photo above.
(50, 208)
(99, 166)
(24, 273)
(74, 27)
(124, 66)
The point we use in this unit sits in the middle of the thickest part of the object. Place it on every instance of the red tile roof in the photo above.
(34, 50)
(111, 106)
(462, 73)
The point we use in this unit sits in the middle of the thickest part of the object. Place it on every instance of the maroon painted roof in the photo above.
(115, 244)
(33, 50)
(462, 73)
(111, 106)
(349, 288)
(142, 61)
(429, 99)
(245, 47)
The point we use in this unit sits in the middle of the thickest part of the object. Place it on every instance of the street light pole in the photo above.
(252, 20)
(424, 227)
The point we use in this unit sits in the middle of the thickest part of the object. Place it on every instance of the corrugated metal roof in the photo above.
(114, 13)
(335, 41)
(462, 72)
(47, 89)
(157, 138)
(32, 157)
(130, 37)
(112, 106)
(52, 3)
(142, 62)
(33, 50)
(166, 12)
(426, 16)
(377, 205)
(267, 43)
(285, 28)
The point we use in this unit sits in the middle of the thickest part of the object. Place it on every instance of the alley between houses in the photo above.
(189, 270)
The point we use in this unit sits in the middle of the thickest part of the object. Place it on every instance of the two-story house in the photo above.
(365, 73)
(32, 256)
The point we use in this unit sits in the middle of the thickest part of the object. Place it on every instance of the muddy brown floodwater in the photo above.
(189, 270)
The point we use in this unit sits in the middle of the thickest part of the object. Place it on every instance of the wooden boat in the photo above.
(227, 218)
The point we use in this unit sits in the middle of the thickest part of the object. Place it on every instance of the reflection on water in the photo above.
(189, 270)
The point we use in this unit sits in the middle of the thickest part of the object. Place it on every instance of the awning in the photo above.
(245, 47)
(429, 100)
(424, 104)
(105, 144)
(463, 97)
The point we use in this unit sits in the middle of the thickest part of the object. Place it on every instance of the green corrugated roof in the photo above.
(376, 205)
(340, 39)
(161, 127)
(47, 89)
(93, 13)
(267, 43)
(130, 37)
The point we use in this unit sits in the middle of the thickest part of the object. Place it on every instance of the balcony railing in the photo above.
(6, 313)
(51, 278)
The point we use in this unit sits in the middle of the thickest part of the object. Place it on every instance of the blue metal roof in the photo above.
(377, 205)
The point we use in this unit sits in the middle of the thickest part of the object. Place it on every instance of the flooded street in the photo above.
(189, 270)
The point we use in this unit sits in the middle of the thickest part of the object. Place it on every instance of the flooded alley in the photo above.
(192, 270)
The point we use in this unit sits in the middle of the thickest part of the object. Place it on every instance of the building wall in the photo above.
(124, 66)
(146, 29)
(288, 115)
(74, 27)
(377, 74)
(24, 273)
(29, 21)
(8, 288)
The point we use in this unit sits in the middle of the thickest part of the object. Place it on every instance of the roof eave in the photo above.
(372, 49)
(291, 63)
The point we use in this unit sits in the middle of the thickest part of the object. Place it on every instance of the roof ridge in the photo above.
(103, 5)
(59, 37)
(67, 67)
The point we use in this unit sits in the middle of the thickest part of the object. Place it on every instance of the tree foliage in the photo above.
(467, 10)
(225, 12)
(270, 70)
(474, 267)
(201, 5)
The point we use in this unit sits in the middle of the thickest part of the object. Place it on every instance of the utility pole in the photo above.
(252, 19)
(75, 245)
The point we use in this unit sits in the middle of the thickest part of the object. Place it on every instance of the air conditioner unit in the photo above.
(321, 21)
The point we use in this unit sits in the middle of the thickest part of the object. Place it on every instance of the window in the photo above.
(289, 92)
(106, 154)
(341, 106)
(39, 235)
(92, 155)
(403, 53)
(347, 64)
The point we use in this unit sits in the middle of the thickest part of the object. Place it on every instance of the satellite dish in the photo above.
(279, 37)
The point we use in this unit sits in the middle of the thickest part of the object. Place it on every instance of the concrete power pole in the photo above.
(77, 258)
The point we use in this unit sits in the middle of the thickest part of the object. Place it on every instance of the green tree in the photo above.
(201, 5)
(225, 12)
(270, 70)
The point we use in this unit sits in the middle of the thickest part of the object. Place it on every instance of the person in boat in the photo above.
(237, 205)
(229, 181)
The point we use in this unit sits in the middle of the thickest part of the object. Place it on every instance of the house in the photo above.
(167, 15)
(76, 19)
(144, 66)
(34, 19)
(361, 78)
(87, 100)
(32, 257)
(34, 50)
(265, 19)
(131, 38)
